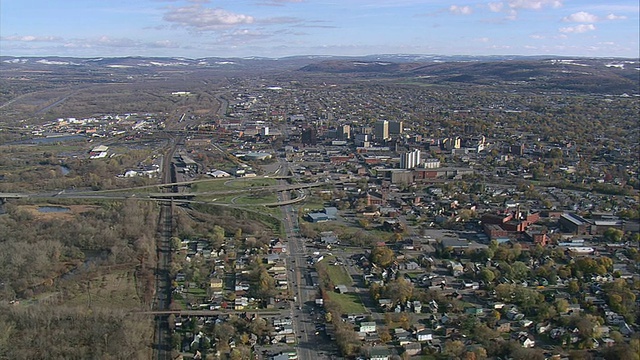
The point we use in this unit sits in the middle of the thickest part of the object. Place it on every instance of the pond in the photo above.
(53, 209)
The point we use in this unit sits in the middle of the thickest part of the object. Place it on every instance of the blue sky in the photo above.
(277, 28)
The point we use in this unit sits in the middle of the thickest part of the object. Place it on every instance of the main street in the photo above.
(303, 294)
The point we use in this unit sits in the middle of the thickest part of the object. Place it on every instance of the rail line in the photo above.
(162, 299)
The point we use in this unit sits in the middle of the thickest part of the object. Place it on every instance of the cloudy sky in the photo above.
(277, 28)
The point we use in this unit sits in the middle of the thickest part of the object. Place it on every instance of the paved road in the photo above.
(309, 345)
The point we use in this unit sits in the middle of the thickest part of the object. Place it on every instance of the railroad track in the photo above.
(162, 299)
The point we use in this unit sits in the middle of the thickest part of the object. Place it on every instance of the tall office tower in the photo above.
(410, 160)
(395, 127)
(381, 130)
(366, 130)
(362, 140)
(309, 136)
(344, 132)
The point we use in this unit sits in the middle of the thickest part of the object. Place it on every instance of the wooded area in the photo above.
(48, 259)
(53, 332)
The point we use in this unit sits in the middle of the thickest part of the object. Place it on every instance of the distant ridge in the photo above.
(596, 75)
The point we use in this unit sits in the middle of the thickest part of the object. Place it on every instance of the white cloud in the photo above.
(245, 32)
(534, 4)
(536, 36)
(512, 14)
(107, 42)
(279, 20)
(511, 7)
(615, 17)
(483, 39)
(279, 2)
(30, 38)
(121, 42)
(197, 17)
(460, 10)
(163, 44)
(578, 29)
(581, 17)
(496, 6)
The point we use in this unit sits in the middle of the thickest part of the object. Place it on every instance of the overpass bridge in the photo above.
(282, 313)
(10, 196)
(172, 196)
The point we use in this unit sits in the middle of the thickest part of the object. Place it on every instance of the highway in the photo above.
(125, 193)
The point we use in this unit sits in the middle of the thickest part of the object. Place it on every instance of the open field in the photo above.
(114, 290)
(249, 183)
(210, 185)
(349, 303)
(337, 273)
(256, 199)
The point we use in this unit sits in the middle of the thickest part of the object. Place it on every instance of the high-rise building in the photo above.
(309, 136)
(367, 130)
(362, 140)
(381, 130)
(395, 127)
(431, 163)
(410, 160)
(344, 132)
(450, 143)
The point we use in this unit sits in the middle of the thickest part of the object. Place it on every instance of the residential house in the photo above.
(278, 247)
(417, 307)
(472, 310)
(527, 342)
(385, 304)
(424, 335)
(272, 258)
(401, 336)
(625, 329)
(379, 353)
(216, 283)
(368, 327)
(456, 268)
(411, 266)
(412, 349)
(241, 303)
(504, 326)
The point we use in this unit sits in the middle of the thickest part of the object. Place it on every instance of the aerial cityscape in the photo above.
(287, 179)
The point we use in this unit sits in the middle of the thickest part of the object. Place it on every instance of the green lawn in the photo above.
(312, 203)
(210, 185)
(196, 291)
(348, 303)
(337, 273)
(218, 198)
(257, 199)
(249, 183)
